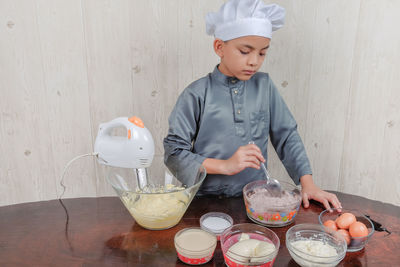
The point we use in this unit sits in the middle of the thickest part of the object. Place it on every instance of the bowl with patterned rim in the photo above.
(268, 210)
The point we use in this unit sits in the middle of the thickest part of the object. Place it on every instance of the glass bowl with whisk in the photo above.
(160, 201)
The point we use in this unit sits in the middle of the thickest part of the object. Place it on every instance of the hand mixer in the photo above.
(127, 157)
(135, 150)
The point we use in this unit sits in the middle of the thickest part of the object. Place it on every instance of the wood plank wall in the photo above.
(66, 66)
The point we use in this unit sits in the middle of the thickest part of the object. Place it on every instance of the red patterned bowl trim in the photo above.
(231, 263)
(195, 261)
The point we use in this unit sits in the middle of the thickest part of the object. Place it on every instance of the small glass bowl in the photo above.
(186, 250)
(356, 243)
(271, 211)
(221, 221)
(232, 235)
(308, 231)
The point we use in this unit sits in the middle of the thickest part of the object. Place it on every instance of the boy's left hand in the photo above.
(311, 191)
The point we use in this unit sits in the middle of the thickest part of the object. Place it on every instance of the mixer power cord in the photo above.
(64, 188)
(67, 166)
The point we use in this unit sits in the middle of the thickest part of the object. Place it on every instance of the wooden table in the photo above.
(102, 233)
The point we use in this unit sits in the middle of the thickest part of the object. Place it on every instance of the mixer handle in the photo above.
(107, 127)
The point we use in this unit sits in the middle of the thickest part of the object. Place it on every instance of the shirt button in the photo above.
(233, 81)
(236, 92)
(238, 111)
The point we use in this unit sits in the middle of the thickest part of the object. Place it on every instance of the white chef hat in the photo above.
(238, 18)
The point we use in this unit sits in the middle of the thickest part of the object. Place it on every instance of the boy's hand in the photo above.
(311, 191)
(245, 157)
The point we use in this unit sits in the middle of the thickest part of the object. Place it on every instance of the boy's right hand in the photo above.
(245, 157)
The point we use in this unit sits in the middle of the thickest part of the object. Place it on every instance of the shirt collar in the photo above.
(226, 80)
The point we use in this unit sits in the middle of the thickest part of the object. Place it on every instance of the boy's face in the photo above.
(241, 57)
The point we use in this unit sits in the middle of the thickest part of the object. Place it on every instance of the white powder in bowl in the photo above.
(216, 224)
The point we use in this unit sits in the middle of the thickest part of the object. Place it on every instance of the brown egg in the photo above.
(344, 220)
(331, 224)
(345, 234)
(358, 229)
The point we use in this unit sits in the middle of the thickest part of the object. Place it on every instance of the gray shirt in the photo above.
(217, 114)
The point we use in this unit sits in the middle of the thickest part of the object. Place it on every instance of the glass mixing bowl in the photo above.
(264, 209)
(163, 201)
(320, 246)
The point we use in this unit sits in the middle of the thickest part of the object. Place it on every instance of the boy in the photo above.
(217, 116)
